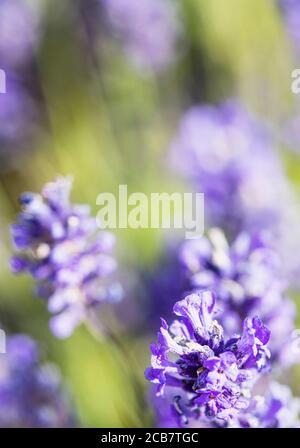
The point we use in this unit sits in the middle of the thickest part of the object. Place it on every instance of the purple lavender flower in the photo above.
(276, 409)
(290, 133)
(65, 253)
(246, 278)
(229, 157)
(212, 377)
(18, 31)
(220, 149)
(17, 112)
(31, 394)
(148, 30)
(291, 14)
(170, 410)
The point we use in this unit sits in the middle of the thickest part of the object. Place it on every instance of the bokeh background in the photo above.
(81, 101)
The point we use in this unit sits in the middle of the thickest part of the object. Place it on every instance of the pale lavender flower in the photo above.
(69, 257)
(17, 112)
(211, 377)
(291, 133)
(19, 31)
(229, 157)
(31, 393)
(148, 30)
(276, 409)
(221, 149)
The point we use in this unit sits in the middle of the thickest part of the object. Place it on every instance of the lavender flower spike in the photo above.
(61, 247)
(246, 278)
(212, 377)
(31, 394)
(230, 157)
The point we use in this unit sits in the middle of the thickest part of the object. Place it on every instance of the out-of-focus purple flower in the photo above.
(276, 409)
(229, 157)
(220, 149)
(246, 278)
(291, 14)
(291, 133)
(19, 31)
(17, 112)
(148, 30)
(212, 377)
(31, 394)
(65, 253)
(12, 112)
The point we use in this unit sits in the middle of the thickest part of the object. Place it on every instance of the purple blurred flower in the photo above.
(17, 112)
(214, 375)
(19, 23)
(148, 30)
(220, 149)
(291, 133)
(31, 394)
(66, 254)
(229, 157)
(246, 278)
(291, 14)
(276, 409)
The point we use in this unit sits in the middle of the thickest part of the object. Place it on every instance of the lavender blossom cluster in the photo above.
(215, 365)
(204, 379)
(31, 393)
(229, 157)
(246, 276)
(215, 374)
(276, 409)
(19, 38)
(60, 245)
